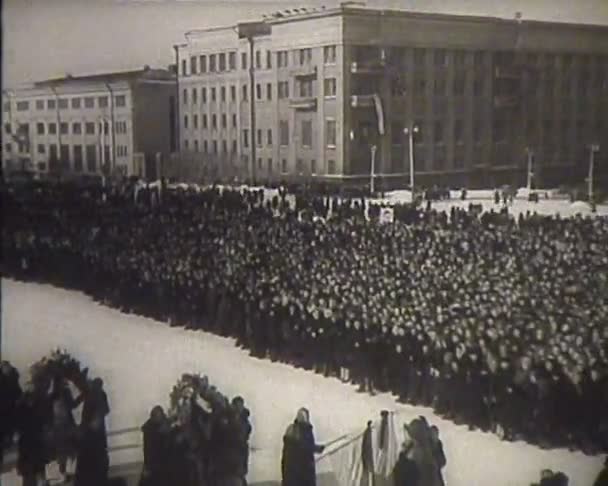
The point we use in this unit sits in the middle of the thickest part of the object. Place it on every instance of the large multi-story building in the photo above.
(98, 124)
(311, 91)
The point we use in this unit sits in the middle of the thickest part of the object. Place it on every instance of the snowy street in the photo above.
(141, 359)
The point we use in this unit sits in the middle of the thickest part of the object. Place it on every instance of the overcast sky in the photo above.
(44, 38)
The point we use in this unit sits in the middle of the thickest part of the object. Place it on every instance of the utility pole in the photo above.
(530, 155)
(409, 131)
(252, 105)
(373, 170)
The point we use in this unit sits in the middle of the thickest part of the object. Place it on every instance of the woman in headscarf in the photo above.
(299, 448)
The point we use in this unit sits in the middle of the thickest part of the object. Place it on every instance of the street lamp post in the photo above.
(530, 154)
(592, 149)
(409, 132)
(373, 170)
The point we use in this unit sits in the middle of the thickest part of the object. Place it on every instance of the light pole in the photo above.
(592, 149)
(409, 131)
(373, 170)
(530, 154)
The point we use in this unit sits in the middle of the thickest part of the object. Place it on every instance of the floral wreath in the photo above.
(60, 364)
(194, 387)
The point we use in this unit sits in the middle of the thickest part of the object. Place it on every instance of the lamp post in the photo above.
(409, 132)
(530, 154)
(373, 149)
(592, 149)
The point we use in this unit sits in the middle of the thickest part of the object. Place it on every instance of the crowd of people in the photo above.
(497, 322)
(204, 442)
(41, 417)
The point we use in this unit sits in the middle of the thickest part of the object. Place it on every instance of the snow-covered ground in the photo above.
(140, 359)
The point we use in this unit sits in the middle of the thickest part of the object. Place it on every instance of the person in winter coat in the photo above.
(602, 478)
(438, 454)
(299, 448)
(32, 416)
(405, 472)
(10, 393)
(156, 437)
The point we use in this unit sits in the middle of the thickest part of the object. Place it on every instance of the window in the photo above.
(204, 121)
(63, 128)
(284, 166)
(102, 101)
(62, 103)
(224, 146)
(213, 94)
(40, 128)
(76, 128)
(330, 132)
(193, 65)
(50, 104)
(478, 87)
(232, 61)
(243, 60)
(185, 96)
(269, 91)
(214, 121)
(258, 60)
(234, 121)
(438, 132)
(458, 132)
(284, 133)
(89, 102)
(91, 153)
(39, 105)
(313, 166)
(331, 166)
(186, 144)
(106, 127)
(8, 147)
(307, 133)
(214, 145)
(234, 147)
(224, 120)
(300, 166)
(75, 103)
(329, 87)
(223, 94)
(245, 92)
(233, 93)
(90, 128)
(222, 61)
(305, 88)
(212, 63)
(185, 121)
(282, 59)
(245, 138)
(41, 148)
(195, 121)
(196, 145)
(258, 91)
(259, 138)
(459, 58)
(184, 68)
(305, 56)
(205, 146)
(78, 158)
(260, 163)
(23, 105)
(64, 152)
(204, 95)
(202, 63)
(194, 96)
(269, 136)
(121, 127)
(478, 58)
(52, 129)
(329, 55)
(440, 87)
(121, 101)
(459, 84)
(268, 60)
(283, 88)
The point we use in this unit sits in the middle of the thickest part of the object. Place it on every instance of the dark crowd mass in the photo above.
(497, 322)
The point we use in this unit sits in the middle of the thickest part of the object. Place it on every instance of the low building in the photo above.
(309, 92)
(100, 124)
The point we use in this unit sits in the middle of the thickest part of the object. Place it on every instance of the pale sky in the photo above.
(45, 38)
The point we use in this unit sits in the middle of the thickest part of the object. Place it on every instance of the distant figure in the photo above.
(10, 393)
(602, 478)
(156, 437)
(496, 197)
(463, 194)
(299, 448)
(406, 471)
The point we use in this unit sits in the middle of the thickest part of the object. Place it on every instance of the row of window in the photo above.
(90, 128)
(213, 148)
(302, 166)
(76, 151)
(304, 88)
(214, 121)
(226, 61)
(306, 139)
(65, 103)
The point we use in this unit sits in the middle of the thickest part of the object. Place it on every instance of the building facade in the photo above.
(101, 124)
(309, 92)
